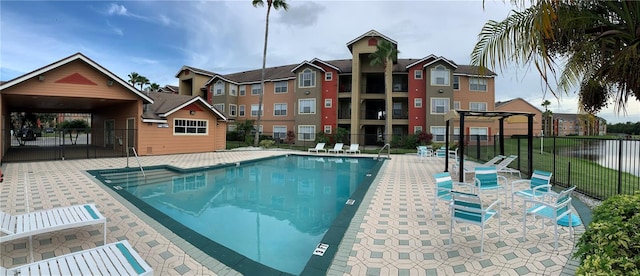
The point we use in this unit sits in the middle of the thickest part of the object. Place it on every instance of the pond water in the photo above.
(608, 154)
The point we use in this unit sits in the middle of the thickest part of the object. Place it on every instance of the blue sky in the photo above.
(156, 38)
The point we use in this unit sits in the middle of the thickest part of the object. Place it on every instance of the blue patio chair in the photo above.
(538, 185)
(487, 180)
(468, 208)
(442, 190)
(424, 152)
(554, 206)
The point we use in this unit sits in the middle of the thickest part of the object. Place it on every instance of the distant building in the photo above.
(565, 124)
(517, 125)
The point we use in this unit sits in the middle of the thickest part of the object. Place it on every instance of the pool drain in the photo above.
(320, 249)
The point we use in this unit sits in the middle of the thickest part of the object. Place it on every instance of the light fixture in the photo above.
(192, 112)
(440, 91)
(109, 82)
(41, 78)
(307, 92)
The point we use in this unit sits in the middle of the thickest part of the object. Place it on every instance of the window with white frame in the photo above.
(328, 76)
(307, 106)
(456, 133)
(243, 90)
(397, 110)
(439, 105)
(327, 129)
(279, 132)
(190, 127)
(241, 110)
(219, 88)
(476, 106)
(478, 84)
(417, 102)
(256, 89)
(483, 132)
(456, 83)
(328, 103)
(438, 133)
(219, 107)
(307, 78)
(233, 90)
(281, 87)
(456, 105)
(254, 110)
(306, 133)
(417, 129)
(440, 76)
(417, 74)
(280, 109)
(233, 110)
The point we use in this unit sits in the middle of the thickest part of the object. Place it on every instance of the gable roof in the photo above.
(453, 64)
(195, 70)
(327, 64)
(166, 104)
(69, 59)
(370, 33)
(470, 70)
(500, 104)
(307, 63)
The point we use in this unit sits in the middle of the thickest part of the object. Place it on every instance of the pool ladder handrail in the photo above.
(137, 159)
(388, 147)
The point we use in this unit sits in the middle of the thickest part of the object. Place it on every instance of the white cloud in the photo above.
(116, 9)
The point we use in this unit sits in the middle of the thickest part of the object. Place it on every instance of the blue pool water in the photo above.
(273, 211)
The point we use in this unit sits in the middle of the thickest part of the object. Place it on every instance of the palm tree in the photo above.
(597, 41)
(386, 54)
(154, 87)
(133, 78)
(545, 120)
(276, 4)
(143, 81)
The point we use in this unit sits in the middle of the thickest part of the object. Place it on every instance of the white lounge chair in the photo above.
(319, 147)
(502, 167)
(44, 221)
(337, 148)
(353, 148)
(117, 258)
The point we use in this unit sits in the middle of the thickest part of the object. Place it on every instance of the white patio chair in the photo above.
(337, 148)
(117, 258)
(442, 190)
(538, 185)
(554, 206)
(468, 208)
(487, 180)
(502, 167)
(319, 147)
(353, 148)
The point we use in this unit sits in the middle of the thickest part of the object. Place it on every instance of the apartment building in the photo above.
(322, 95)
(565, 124)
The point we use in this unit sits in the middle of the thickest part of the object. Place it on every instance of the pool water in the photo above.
(273, 211)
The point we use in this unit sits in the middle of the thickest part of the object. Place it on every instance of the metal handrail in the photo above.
(137, 159)
(388, 146)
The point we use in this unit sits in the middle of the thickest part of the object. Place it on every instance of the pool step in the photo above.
(150, 177)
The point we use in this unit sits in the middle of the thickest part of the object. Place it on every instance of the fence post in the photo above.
(569, 175)
(620, 143)
(478, 147)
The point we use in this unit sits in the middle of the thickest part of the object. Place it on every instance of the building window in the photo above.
(478, 131)
(280, 109)
(241, 110)
(397, 110)
(219, 107)
(233, 90)
(307, 106)
(219, 88)
(256, 89)
(328, 103)
(417, 129)
(456, 83)
(438, 133)
(417, 102)
(477, 106)
(478, 84)
(280, 132)
(456, 133)
(254, 110)
(281, 87)
(328, 76)
(440, 76)
(306, 133)
(439, 105)
(243, 90)
(190, 127)
(417, 74)
(456, 105)
(231, 127)
(307, 78)
(233, 109)
(327, 129)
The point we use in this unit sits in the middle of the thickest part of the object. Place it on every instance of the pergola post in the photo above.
(530, 141)
(501, 134)
(446, 145)
(461, 135)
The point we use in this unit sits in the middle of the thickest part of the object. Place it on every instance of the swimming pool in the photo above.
(267, 214)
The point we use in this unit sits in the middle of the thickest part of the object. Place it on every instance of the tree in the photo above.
(546, 115)
(74, 126)
(597, 41)
(276, 4)
(143, 81)
(133, 78)
(386, 54)
(154, 87)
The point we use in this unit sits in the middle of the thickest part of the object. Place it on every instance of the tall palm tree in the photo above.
(143, 81)
(276, 4)
(598, 42)
(545, 120)
(386, 54)
(154, 87)
(133, 78)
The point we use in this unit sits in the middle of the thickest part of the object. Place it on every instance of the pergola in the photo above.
(490, 116)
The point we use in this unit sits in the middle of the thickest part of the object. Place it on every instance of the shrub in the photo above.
(611, 244)
(267, 143)
(424, 138)
(291, 137)
(321, 137)
(340, 135)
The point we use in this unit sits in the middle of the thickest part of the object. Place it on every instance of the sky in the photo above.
(157, 38)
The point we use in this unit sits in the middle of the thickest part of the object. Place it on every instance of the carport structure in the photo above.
(460, 115)
(75, 84)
